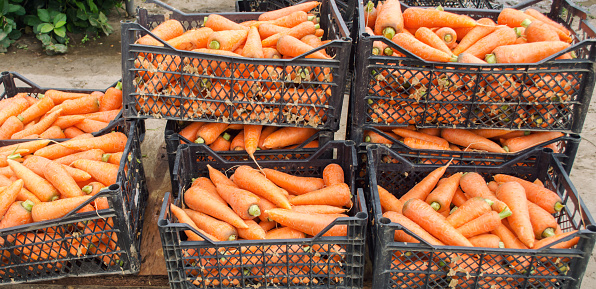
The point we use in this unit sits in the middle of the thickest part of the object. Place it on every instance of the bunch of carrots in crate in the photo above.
(464, 210)
(466, 140)
(435, 35)
(41, 181)
(285, 206)
(58, 114)
(285, 33)
(250, 138)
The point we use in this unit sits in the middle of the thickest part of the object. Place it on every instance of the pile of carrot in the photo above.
(285, 33)
(58, 114)
(41, 181)
(462, 209)
(249, 138)
(267, 204)
(441, 36)
(481, 140)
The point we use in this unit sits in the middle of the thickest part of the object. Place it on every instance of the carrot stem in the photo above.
(490, 58)
(254, 210)
(501, 245)
(548, 232)
(388, 51)
(105, 157)
(505, 213)
(28, 205)
(436, 206)
(87, 189)
(389, 32)
(214, 44)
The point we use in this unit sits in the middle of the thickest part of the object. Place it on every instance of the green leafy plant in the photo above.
(8, 27)
(49, 27)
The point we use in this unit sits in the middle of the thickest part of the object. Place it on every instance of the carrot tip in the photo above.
(559, 207)
(436, 206)
(214, 44)
(254, 210)
(27, 205)
(548, 232)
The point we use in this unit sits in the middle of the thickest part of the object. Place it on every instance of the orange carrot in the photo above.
(285, 233)
(288, 45)
(287, 136)
(53, 132)
(477, 33)
(268, 225)
(19, 213)
(470, 210)
(468, 139)
(252, 134)
(72, 132)
(373, 137)
(428, 37)
(543, 223)
(222, 231)
(268, 130)
(209, 187)
(425, 186)
(420, 17)
(318, 209)
(270, 52)
(536, 194)
(56, 209)
(474, 185)
(537, 31)
(481, 225)
(275, 14)
(523, 142)
(563, 245)
(293, 184)
(34, 183)
(9, 196)
(253, 47)
(191, 39)
(61, 180)
(402, 236)
(227, 40)
(291, 20)
(17, 106)
(427, 218)
(268, 29)
(201, 201)
(333, 174)
(469, 58)
(310, 224)
(448, 36)
(513, 194)
(459, 198)
(11, 126)
(525, 53)
(82, 105)
(165, 31)
(111, 100)
(422, 144)
(298, 31)
(487, 241)
(209, 132)
(36, 110)
(564, 34)
(109, 143)
(335, 195)
(237, 143)
(485, 45)
(105, 173)
(243, 202)
(370, 14)
(421, 49)
(105, 116)
(249, 179)
(265, 205)
(190, 131)
(184, 218)
(218, 178)
(94, 154)
(39, 127)
(440, 198)
(253, 232)
(89, 125)
(222, 143)
(490, 133)
(390, 20)
(220, 23)
(388, 201)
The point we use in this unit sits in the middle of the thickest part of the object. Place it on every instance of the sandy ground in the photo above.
(97, 64)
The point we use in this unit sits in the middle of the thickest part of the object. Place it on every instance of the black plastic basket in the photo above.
(546, 268)
(259, 106)
(14, 83)
(209, 262)
(24, 246)
(520, 109)
(173, 140)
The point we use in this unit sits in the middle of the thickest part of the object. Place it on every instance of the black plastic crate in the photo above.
(398, 175)
(208, 262)
(14, 83)
(320, 107)
(173, 140)
(472, 107)
(24, 246)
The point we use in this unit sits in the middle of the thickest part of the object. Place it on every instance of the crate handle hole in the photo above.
(384, 221)
(362, 215)
(591, 228)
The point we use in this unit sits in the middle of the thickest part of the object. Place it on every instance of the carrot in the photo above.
(249, 179)
(310, 224)
(220, 23)
(427, 218)
(291, 20)
(468, 139)
(227, 40)
(564, 34)
(536, 194)
(72, 132)
(265, 205)
(252, 47)
(421, 49)
(253, 232)
(333, 174)
(36, 110)
(87, 104)
(370, 14)
(267, 225)
(284, 233)
(9, 196)
(474, 185)
(267, 131)
(243, 202)
(237, 143)
(390, 20)
(487, 240)
(17, 106)
(373, 137)
(388, 201)
(105, 173)
(537, 31)
(440, 198)
(294, 184)
(191, 39)
(39, 127)
(184, 218)
(32, 146)
(298, 31)
(287, 136)
(34, 183)
(56, 209)
(419, 17)
(61, 180)
(201, 201)
(318, 209)
(112, 99)
(524, 142)
(513, 194)
(500, 37)
(421, 144)
(222, 143)
(53, 132)
(109, 143)
(275, 14)
(543, 223)
(525, 53)
(270, 52)
(19, 213)
(459, 198)
(252, 134)
(448, 36)
(490, 133)
(89, 126)
(190, 131)
(402, 236)
(165, 31)
(218, 178)
(222, 231)
(485, 223)
(209, 132)
(209, 187)
(11, 126)
(94, 154)
(288, 45)
(470, 210)
(268, 29)
(105, 116)
(563, 245)
(477, 33)
(335, 195)
(428, 37)
(425, 186)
